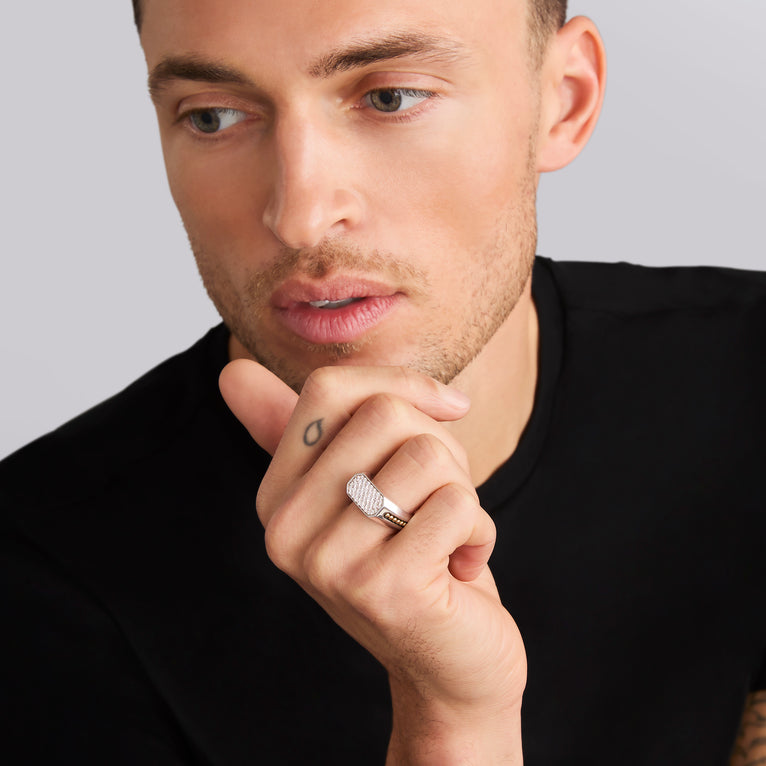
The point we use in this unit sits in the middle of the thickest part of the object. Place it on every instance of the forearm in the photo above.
(750, 747)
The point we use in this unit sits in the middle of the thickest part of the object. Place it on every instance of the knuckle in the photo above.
(461, 455)
(456, 498)
(320, 565)
(421, 387)
(282, 544)
(277, 545)
(322, 384)
(382, 409)
(428, 451)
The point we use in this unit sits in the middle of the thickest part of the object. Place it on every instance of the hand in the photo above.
(421, 600)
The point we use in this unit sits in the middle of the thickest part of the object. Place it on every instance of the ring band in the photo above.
(374, 504)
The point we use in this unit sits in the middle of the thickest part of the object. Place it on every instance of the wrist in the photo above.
(429, 731)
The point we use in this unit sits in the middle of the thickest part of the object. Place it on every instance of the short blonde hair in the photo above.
(545, 18)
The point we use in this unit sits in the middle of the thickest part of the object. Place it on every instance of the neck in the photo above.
(501, 383)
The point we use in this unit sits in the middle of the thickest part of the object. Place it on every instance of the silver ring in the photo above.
(374, 504)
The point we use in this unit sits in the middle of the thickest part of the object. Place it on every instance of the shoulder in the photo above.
(708, 319)
(124, 535)
(681, 348)
(84, 454)
(624, 288)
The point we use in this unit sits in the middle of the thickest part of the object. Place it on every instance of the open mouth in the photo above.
(327, 304)
(339, 309)
(336, 321)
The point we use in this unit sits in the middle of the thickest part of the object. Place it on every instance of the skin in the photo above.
(263, 204)
(310, 180)
(461, 190)
(750, 747)
(437, 202)
(459, 179)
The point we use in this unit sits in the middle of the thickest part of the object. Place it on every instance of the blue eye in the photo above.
(215, 119)
(396, 99)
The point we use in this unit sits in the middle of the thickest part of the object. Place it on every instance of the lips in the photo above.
(339, 310)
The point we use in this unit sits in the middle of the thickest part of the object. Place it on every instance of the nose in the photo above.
(311, 195)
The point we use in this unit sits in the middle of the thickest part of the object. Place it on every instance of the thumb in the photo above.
(258, 399)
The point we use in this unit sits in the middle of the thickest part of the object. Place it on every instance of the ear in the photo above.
(573, 80)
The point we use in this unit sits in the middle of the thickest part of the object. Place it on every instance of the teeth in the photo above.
(332, 304)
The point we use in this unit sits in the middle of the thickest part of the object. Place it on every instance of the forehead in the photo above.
(296, 32)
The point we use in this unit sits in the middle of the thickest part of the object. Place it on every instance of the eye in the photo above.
(215, 119)
(396, 99)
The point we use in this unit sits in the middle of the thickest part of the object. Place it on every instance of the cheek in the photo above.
(462, 182)
(215, 194)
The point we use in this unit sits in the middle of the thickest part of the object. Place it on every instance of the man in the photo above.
(358, 184)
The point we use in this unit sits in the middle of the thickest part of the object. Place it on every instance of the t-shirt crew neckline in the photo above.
(510, 477)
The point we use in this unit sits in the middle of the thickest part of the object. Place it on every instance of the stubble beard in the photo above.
(506, 264)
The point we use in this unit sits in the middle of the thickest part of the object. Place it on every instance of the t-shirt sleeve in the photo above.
(71, 690)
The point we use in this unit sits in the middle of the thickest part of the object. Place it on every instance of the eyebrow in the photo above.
(353, 56)
(193, 68)
(393, 46)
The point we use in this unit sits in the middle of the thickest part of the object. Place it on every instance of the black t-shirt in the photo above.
(142, 622)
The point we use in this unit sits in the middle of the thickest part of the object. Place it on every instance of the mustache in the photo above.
(326, 258)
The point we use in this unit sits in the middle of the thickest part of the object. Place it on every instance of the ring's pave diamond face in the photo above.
(371, 501)
(362, 492)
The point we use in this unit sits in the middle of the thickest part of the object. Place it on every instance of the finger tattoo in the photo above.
(313, 434)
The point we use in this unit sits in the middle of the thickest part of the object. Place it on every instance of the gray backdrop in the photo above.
(96, 281)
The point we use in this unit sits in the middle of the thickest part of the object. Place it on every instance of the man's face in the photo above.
(357, 177)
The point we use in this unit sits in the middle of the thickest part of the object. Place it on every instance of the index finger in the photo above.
(332, 395)
(265, 405)
(260, 400)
